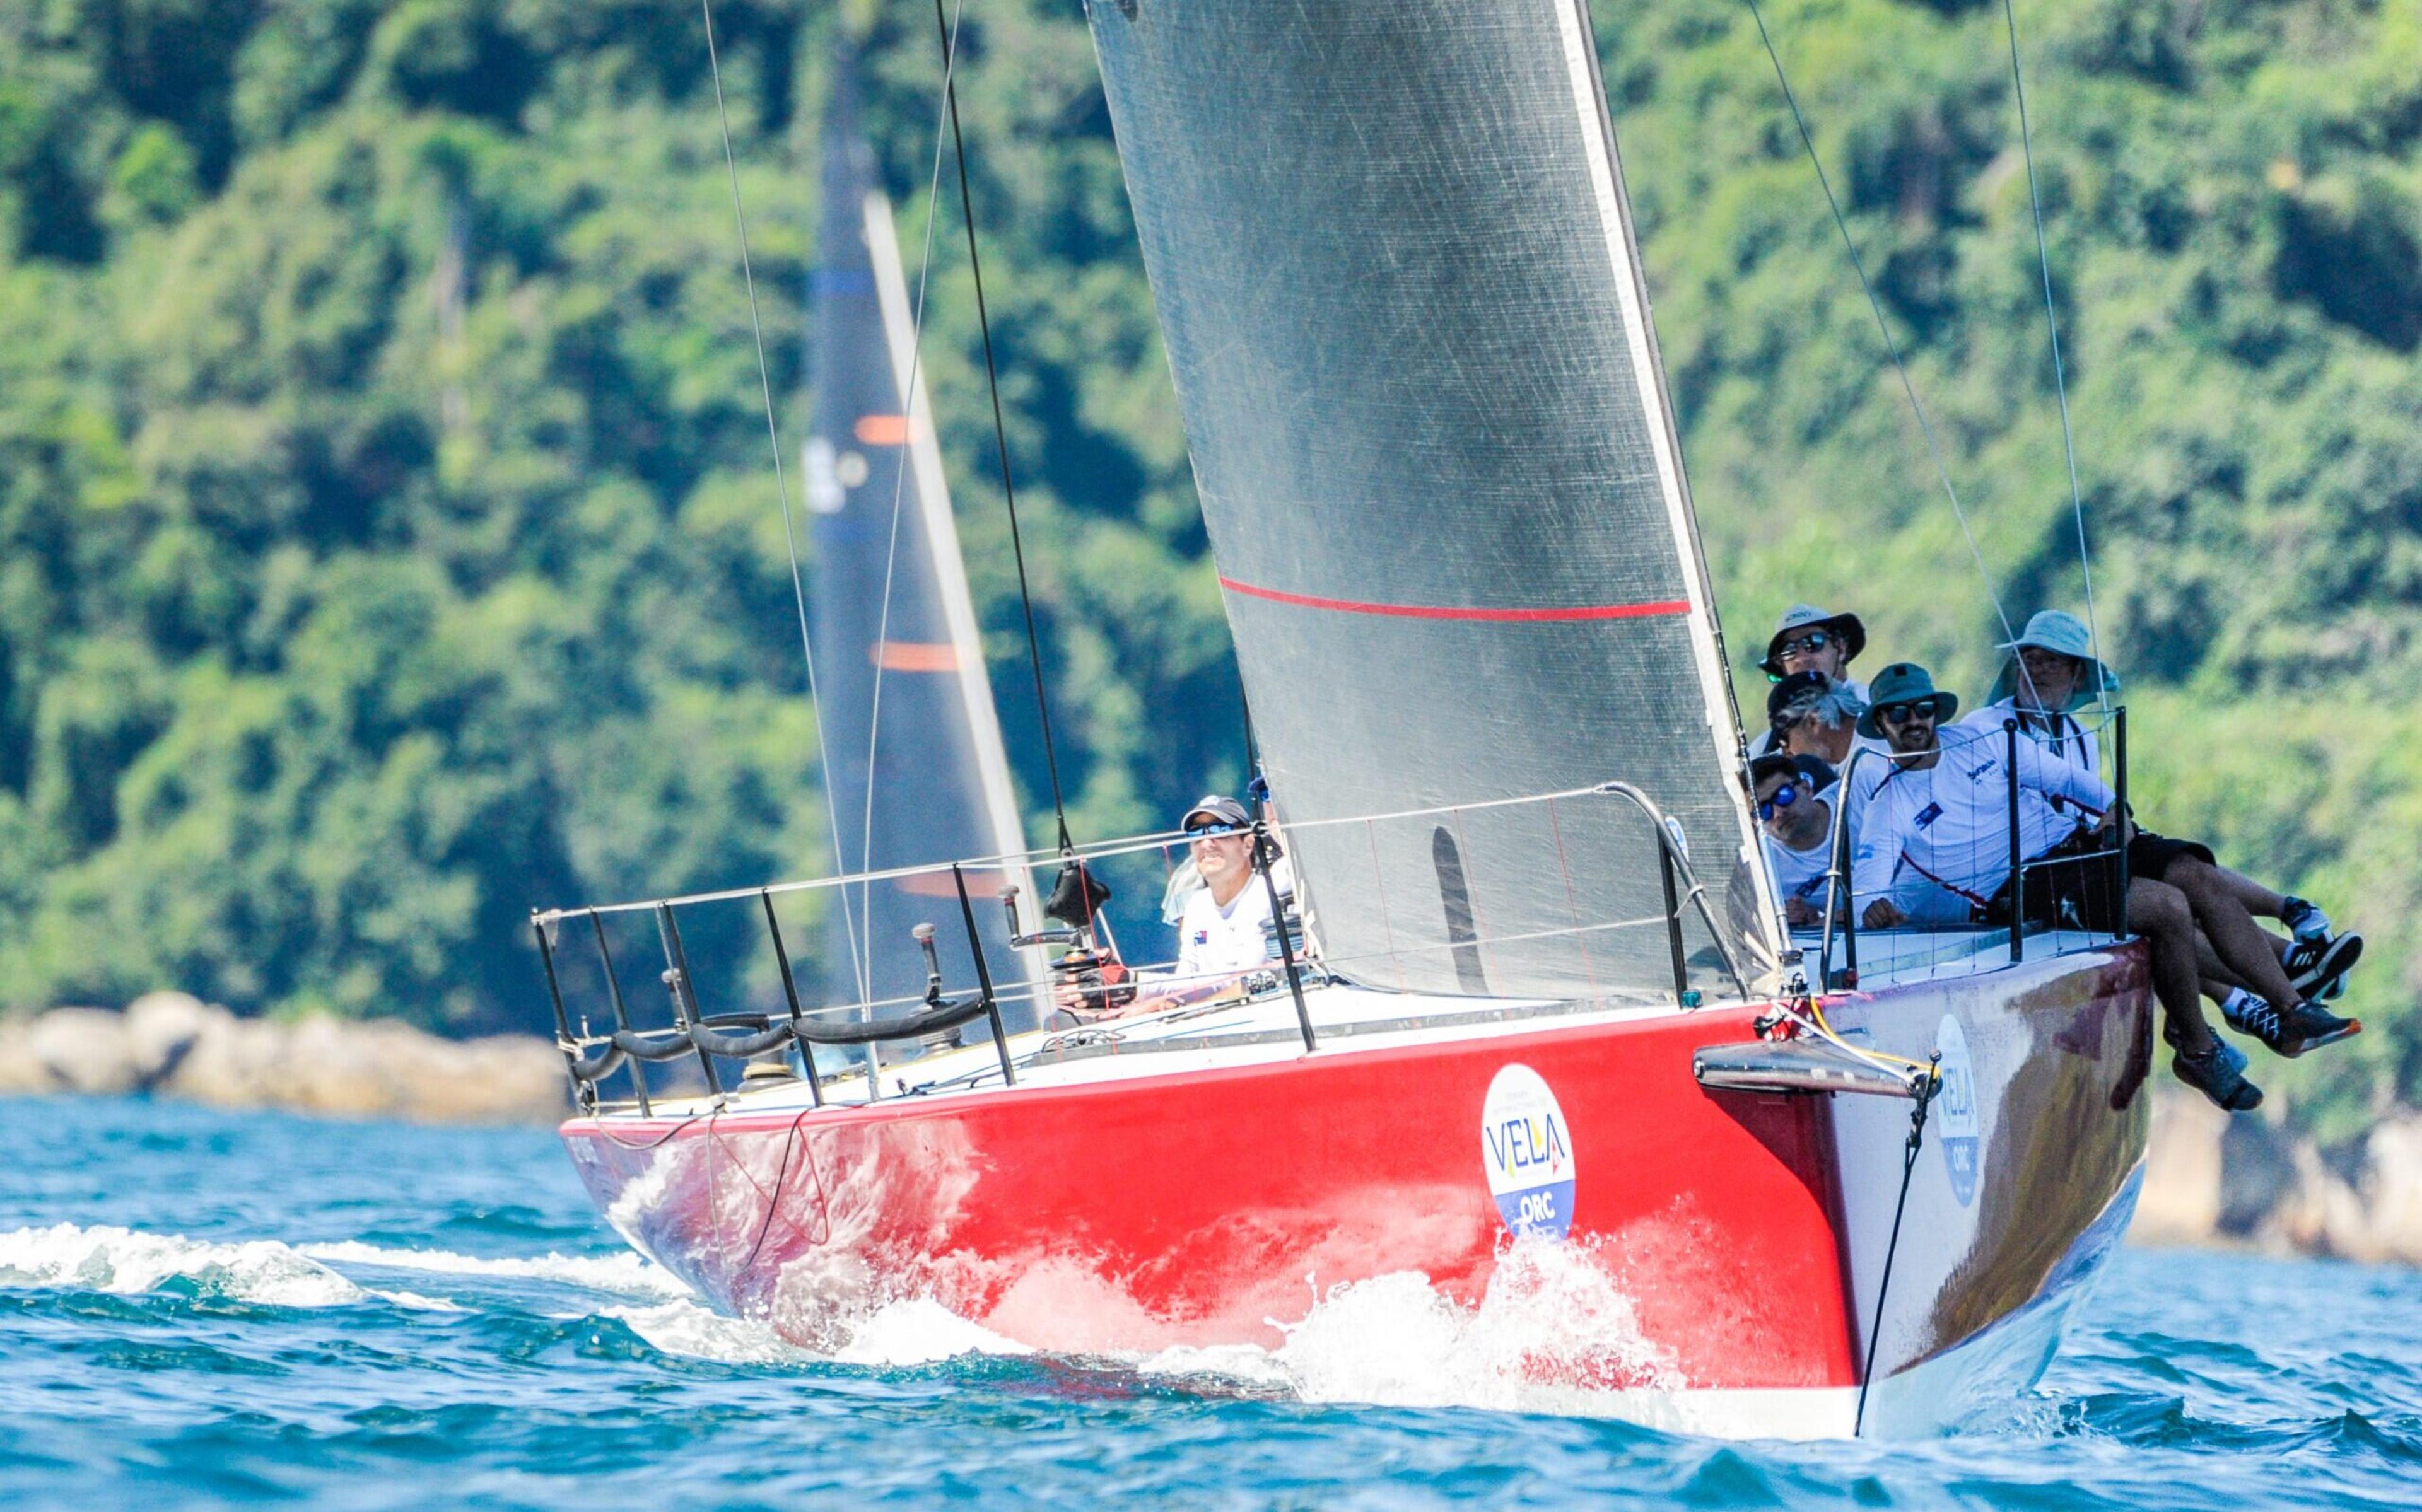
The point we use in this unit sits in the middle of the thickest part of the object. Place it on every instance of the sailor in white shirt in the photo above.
(1796, 827)
(1938, 812)
(1223, 924)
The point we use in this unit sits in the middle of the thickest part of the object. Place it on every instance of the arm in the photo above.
(2048, 773)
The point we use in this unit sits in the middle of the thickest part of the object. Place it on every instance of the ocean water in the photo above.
(206, 1309)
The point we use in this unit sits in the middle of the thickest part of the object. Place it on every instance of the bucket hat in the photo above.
(2055, 629)
(1904, 683)
(1801, 617)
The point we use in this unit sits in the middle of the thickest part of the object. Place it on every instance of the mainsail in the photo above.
(915, 756)
(1404, 310)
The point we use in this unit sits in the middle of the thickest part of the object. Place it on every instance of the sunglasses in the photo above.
(1783, 797)
(1815, 640)
(1906, 713)
(1200, 833)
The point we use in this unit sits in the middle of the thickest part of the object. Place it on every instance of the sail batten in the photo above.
(1398, 287)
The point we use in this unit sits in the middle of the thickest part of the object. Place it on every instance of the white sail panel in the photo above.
(1411, 341)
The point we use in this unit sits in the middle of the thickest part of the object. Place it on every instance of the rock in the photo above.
(162, 1029)
(83, 1050)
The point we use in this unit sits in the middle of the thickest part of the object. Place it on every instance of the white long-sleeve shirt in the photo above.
(2059, 735)
(1949, 824)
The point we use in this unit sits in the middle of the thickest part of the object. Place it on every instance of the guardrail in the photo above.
(1841, 914)
(795, 1029)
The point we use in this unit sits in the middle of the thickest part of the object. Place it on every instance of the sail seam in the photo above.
(1412, 611)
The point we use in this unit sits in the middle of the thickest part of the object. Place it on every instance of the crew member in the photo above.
(1943, 813)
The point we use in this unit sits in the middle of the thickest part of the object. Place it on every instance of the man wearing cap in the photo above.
(1941, 810)
(1222, 929)
(1811, 713)
(2261, 983)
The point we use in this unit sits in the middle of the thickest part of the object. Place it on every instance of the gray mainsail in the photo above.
(1404, 314)
(915, 756)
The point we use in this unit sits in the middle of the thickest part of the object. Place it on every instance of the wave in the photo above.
(127, 1262)
(625, 1274)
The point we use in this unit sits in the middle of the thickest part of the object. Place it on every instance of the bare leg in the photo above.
(2257, 899)
(2161, 914)
(2234, 938)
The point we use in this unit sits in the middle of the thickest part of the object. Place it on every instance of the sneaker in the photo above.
(2317, 967)
(2211, 1074)
(2230, 1055)
(2310, 1026)
(2305, 920)
(2287, 1033)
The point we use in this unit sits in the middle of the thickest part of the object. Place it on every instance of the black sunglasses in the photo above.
(1815, 640)
(1906, 713)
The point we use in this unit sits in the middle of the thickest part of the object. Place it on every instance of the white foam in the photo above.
(127, 1262)
(918, 1331)
(623, 1275)
(686, 1328)
(1551, 1334)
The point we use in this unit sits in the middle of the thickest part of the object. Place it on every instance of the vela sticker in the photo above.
(1954, 1104)
(1527, 1148)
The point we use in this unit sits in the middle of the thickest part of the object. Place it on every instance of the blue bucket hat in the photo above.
(1904, 683)
(2054, 630)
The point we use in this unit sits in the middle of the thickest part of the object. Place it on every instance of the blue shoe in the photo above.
(2211, 1074)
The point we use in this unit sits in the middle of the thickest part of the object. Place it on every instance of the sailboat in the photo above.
(1558, 1052)
(916, 770)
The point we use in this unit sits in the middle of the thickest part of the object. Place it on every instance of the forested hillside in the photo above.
(388, 538)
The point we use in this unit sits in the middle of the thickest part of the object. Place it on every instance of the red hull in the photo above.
(1199, 1208)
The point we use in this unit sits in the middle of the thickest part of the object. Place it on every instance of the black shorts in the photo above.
(2078, 882)
(2149, 855)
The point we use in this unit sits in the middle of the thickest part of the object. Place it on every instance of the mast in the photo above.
(920, 773)
(1404, 313)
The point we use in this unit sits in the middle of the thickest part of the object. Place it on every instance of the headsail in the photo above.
(1403, 305)
(918, 767)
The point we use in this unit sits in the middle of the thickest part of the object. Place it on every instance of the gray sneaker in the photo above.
(2211, 1074)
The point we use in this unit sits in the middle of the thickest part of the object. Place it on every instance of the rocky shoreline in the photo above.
(2209, 1179)
(172, 1045)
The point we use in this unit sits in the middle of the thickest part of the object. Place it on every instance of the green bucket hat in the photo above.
(2054, 630)
(1904, 683)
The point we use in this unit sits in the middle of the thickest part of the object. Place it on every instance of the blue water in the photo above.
(201, 1308)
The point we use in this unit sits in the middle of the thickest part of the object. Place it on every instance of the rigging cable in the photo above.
(898, 491)
(783, 489)
(2052, 326)
(1933, 444)
(1933, 1084)
(1000, 430)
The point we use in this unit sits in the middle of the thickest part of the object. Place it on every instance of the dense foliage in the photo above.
(390, 539)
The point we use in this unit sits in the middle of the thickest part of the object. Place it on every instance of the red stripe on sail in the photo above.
(1415, 611)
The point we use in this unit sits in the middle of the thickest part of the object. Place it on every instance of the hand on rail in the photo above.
(1801, 915)
(1883, 914)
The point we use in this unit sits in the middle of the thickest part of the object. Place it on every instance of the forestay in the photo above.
(1396, 278)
